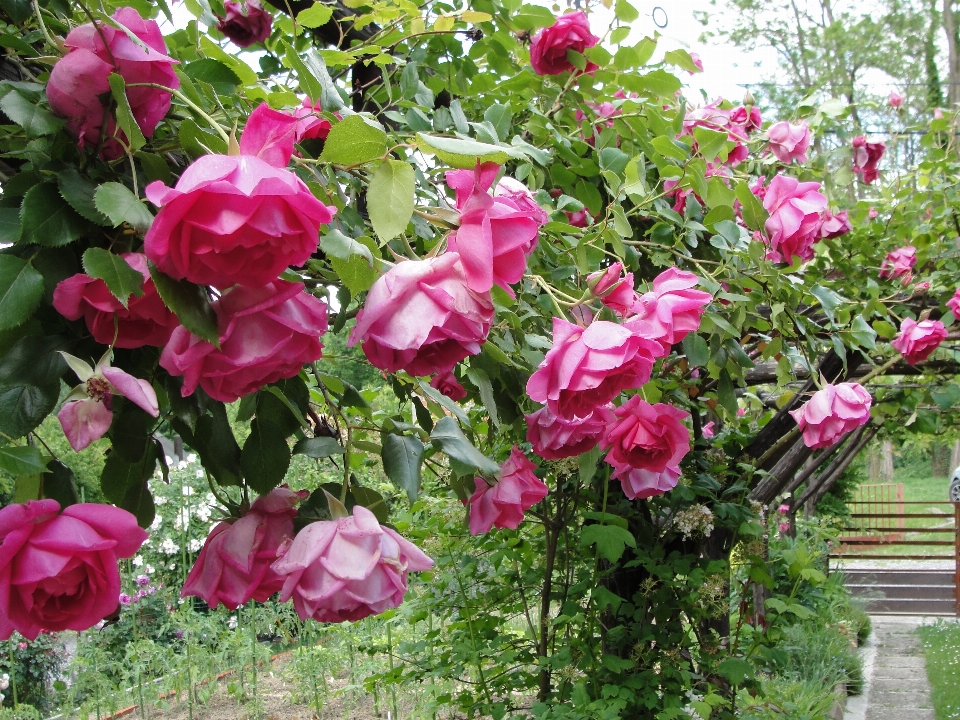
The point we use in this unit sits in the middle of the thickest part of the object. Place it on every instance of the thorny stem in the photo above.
(43, 27)
(880, 370)
(789, 437)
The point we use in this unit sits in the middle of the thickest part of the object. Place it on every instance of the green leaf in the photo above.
(27, 488)
(829, 301)
(465, 154)
(735, 669)
(138, 501)
(9, 225)
(625, 12)
(47, 219)
(402, 456)
(448, 437)
(710, 143)
(125, 118)
(214, 442)
(353, 141)
(79, 191)
(130, 431)
(190, 303)
(754, 214)
(485, 387)
(725, 392)
(682, 59)
(118, 203)
(265, 457)
(658, 83)
(21, 460)
(696, 350)
(356, 273)
(316, 15)
(119, 475)
(390, 198)
(863, 334)
(197, 141)
(35, 121)
(21, 288)
(59, 484)
(121, 279)
(587, 465)
(611, 540)
(336, 244)
(18, 10)
(501, 118)
(668, 147)
(318, 447)
(217, 74)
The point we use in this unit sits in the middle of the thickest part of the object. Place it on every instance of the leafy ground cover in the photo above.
(941, 650)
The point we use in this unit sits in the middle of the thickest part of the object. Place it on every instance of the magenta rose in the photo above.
(79, 83)
(422, 318)
(834, 226)
(504, 503)
(578, 218)
(495, 235)
(898, 263)
(587, 368)
(954, 304)
(795, 214)
(245, 28)
(145, 320)
(831, 413)
(789, 142)
(59, 571)
(747, 118)
(917, 340)
(866, 157)
(646, 444)
(554, 438)
(671, 310)
(448, 384)
(266, 334)
(522, 197)
(348, 568)
(234, 565)
(548, 49)
(310, 126)
(614, 288)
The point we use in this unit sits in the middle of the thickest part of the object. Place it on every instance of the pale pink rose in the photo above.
(504, 503)
(614, 287)
(784, 527)
(954, 304)
(587, 368)
(78, 87)
(917, 340)
(708, 431)
(646, 445)
(234, 565)
(834, 226)
(496, 235)
(266, 334)
(448, 384)
(698, 63)
(554, 438)
(245, 26)
(896, 100)
(898, 263)
(348, 568)
(789, 142)
(793, 226)
(713, 117)
(548, 49)
(866, 156)
(831, 413)
(937, 114)
(872, 213)
(422, 317)
(59, 571)
(783, 509)
(671, 310)
(516, 191)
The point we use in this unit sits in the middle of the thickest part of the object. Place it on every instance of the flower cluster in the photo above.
(694, 520)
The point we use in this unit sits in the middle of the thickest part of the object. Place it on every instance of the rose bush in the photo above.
(831, 413)
(503, 504)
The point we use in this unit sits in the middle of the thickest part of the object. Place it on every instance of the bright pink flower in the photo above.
(86, 420)
(269, 135)
(866, 156)
(921, 288)
(587, 368)
(872, 213)
(831, 413)
(954, 304)
(422, 318)
(713, 117)
(741, 412)
(783, 527)
(517, 192)
(783, 509)
(145, 320)
(548, 49)
(895, 100)
(917, 340)
(614, 288)
(579, 219)
(311, 126)
(348, 568)
(245, 28)
(795, 214)
(124, 599)
(448, 384)
(554, 438)
(708, 431)
(834, 226)
(79, 81)
(266, 334)
(503, 504)
(234, 565)
(671, 310)
(646, 445)
(789, 142)
(495, 235)
(605, 112)
(898, 263)
(59, 572)
(749, 120)
(698, 63)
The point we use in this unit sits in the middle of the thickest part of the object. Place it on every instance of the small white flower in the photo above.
(168, 459)
(157, 521)
(195, 545)
(182, 465)
(159, 500)
(138, 561)
(192, 458)
(203, 513)
(232, 622)
(199, 473)
(172, 566)
(187, 491)
(168, 547)
(149, 570)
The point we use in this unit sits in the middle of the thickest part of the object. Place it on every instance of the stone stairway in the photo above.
(904, 592)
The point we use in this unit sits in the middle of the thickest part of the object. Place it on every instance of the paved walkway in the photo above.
(896, 677)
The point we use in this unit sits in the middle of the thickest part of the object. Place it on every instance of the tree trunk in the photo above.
(886, 462)
(940, 461)
(876, 460)
(953, 53)
(934, 88)
(955, 456)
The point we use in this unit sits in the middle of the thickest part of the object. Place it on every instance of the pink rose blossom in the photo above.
(311, 126)
(671, 310)
(895, 100)
(866, 156)
(448, 384)
(698, 63)
(605, 112)
(937, 114)
(917, 340)
(579, 218)
(587, 368)
(741, 412)
(504, 503)
(266, 334)
(872, 213)
(789, 142)
(548, 49)
(831, 413)
(554, 438)
(347, 568)
(422, 317)
(234, 565)
(708, 431)
(516, 191)
(59, 571)
(784, 527)
(245, 26)
(737, 123)
(834, 226)
(793, 226)
(614, 288)
(646, 445)
(954, 304)
(749, 120)
(898, 263)
(783, 509)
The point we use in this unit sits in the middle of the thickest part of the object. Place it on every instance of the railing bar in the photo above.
(845, 556)
(943, 516)
(951, 543)
(902, 530)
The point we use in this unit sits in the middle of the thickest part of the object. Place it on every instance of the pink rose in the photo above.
(235, 562)
(605, 112)
(448, 384)
(872, 213)
(614, 288)
(646, 445)
(311, 126)
(522, 197)
(266, 334)
(554, 438)
(495, 235)
(834, 226)
(736, 123)
(347, 568)
(504, 503)
(421, 317)
(937, 114)
(671, 310)
(921, 288)
(245, 28)
(917, 340)
(697, 62)
(784, 509)
(708, 431)
(59, 572)
(748, 119)
(783, 527)
(831, 413)
(866, 156)
(145, 320)
(794, 222)
(548, 49)
(587, 368)
(579, 219)
(789, 142)
(954, 304)
(898, 263)
(78, 82)
(895, 100)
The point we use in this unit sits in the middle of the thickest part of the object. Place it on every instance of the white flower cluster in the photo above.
(195, 545)
(203, 513)
(695, 520)
(168, 547)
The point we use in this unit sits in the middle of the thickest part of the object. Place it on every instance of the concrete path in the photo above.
(896, 677)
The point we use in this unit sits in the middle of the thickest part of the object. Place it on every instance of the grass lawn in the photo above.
(941, 648)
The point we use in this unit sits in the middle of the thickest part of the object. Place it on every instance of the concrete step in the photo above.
(903, 606)
(916, 592)
(898, 577)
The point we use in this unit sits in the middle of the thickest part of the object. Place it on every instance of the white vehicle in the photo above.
(955, 486)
